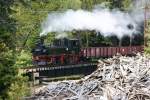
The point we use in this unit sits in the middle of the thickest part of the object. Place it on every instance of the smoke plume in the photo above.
(61, 35)
(105, 21)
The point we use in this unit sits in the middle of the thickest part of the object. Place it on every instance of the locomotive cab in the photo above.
(71, 45)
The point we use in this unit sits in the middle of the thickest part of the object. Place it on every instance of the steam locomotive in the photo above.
(69, 51)
(62, 51)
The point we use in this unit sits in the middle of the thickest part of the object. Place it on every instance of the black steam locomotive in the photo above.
(62, 51)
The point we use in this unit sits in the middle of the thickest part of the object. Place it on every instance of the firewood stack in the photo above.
(117, 78)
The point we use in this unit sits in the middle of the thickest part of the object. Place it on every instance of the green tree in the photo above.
(7, 47)
(90, 4)
(87, 4)
(8, 72)
(127, 4)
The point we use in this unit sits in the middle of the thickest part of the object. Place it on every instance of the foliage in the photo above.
(25, 59)
(147, 38)
(116, 4)
(127, 4)
(8, 73)
(90, 4)
(7, 47)
(18, 89)
(147, 50)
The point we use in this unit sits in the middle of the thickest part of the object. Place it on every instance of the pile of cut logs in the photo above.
(117, 78)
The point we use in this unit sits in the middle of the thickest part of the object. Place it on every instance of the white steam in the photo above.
(101, 20)
(61, 35)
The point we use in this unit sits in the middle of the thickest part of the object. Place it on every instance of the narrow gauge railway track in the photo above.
(49, 67)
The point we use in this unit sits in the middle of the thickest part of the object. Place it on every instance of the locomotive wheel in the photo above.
(140, 97)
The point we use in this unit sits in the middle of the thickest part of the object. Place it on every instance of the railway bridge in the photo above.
(36, 73)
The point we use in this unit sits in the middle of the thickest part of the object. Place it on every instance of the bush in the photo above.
(19, 89)
(24, 59)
